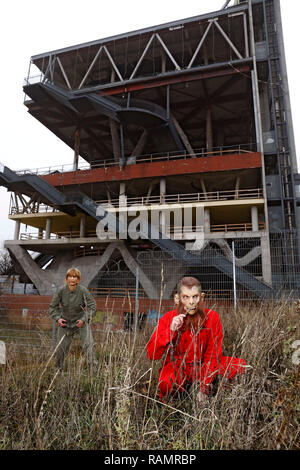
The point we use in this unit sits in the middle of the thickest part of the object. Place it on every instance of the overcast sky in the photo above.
(31, 27)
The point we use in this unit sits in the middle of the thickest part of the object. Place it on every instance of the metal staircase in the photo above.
(82, 203)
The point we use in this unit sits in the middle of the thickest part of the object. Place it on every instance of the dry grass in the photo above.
(118, 406)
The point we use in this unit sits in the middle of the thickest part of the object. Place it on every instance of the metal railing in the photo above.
(228, 195)
(31, 209)
(88, 251)
(116, 292)
(171, 231)
(244, 227)
(232, 194)
(34, 79)
(147, 158)
(52, 236)
(176, 231)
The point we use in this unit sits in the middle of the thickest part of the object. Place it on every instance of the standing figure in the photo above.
(192, 337)
(73, 307)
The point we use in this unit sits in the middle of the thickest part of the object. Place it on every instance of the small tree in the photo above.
(6, 264)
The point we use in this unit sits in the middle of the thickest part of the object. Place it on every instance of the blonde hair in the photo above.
(73, 271)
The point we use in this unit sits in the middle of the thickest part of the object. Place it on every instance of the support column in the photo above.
(182, 135)
(254, 218)
(203, 188)
(123, 220)
(139, 148)
(115, 140)
(122, 195)
(17, 230)
(209, 136)
(76, 149)
(163, 62)
(114, 130)
(266, 259)
(108, 196)
(48, 228)
(256, 104)
(149, 192)
(237, 187)
(40, 233)
(162, 215)
(206, 221)
(162, 187)
(82, 226)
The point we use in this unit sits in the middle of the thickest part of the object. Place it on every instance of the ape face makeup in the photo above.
(190, 298)
(72, 281)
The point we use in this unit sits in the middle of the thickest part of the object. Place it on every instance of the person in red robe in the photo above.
(191, 336)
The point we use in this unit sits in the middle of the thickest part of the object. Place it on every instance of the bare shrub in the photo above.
(6, 264)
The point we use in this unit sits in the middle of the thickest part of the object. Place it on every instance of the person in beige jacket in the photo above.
(73, 307)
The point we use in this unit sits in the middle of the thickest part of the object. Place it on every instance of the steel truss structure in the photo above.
(192, 115)
(164, 64)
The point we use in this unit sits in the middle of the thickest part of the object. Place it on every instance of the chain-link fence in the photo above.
(229, 269)
(232, 272)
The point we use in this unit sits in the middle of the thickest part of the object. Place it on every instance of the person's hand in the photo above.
(62, 322)
(177, 322)
(79, 323)
(202, 398)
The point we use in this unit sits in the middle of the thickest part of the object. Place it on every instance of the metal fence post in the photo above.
(136, 299)
(234, 276)
(2, 352)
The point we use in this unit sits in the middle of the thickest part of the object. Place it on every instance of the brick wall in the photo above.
(32, 310)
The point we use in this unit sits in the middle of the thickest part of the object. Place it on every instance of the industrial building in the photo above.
(184, 161)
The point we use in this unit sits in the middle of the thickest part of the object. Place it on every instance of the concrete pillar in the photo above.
(203, 188)
(122, 194)
(48, 228)
(149, 191)
(254, 218)
(162, 215)
(82, 226)
(266, 259)
(123, 221)
(162, 189)
(206, 221)
(17, 230)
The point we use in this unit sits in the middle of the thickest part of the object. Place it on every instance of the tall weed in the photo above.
(117, 406)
